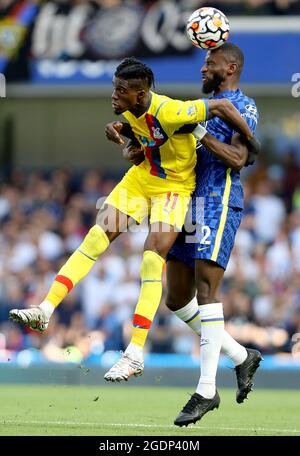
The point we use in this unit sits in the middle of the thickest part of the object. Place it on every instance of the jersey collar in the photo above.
(227, 93)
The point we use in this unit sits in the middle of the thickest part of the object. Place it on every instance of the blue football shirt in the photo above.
(214, 180)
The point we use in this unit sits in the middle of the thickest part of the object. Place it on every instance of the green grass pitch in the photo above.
(123, 410)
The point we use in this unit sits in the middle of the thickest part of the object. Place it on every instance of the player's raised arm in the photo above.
(175, 114)
(224, 109)
(236, 155)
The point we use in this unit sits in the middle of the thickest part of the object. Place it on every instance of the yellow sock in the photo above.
(78, 265)
(150, 296)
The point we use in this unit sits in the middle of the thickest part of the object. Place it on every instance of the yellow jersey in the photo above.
(168, 156)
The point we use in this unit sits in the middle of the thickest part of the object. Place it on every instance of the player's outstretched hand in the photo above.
(133, 152)
(254, 149)
(112, 132)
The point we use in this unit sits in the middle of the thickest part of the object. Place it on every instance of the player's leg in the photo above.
(181, 299)
(181, 290)
(209, 275)
(210, 324)
(161, 237)
(216, 240)
(75, 269)
(158, 243)
(181, 286)
(114, 216)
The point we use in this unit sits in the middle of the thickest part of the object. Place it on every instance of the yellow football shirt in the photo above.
(168, 156)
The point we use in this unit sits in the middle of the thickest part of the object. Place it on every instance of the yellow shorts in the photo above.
(139, 194)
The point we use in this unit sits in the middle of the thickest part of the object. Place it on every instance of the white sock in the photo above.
(212, 329)
(190, 315)
(134, 352)
(48, 308)
(235, 351)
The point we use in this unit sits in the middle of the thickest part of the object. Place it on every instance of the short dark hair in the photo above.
(132, 68)
(233, 54)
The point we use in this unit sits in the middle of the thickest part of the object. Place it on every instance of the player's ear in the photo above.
(231, 68)
(140, 95)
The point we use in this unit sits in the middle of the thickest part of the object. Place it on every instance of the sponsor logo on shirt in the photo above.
(157, 134)
(250, 113)
(251, 108)
(191, 111)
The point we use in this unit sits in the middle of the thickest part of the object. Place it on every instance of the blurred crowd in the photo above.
(230, 7)
(255, 7)
(44, 215)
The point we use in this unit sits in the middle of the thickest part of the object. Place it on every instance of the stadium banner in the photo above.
(14, 30)
(272, 63)
(63, 42)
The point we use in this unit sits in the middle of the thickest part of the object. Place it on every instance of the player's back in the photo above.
(215, 181)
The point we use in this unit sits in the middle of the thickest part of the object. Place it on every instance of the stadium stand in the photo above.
(44, 215)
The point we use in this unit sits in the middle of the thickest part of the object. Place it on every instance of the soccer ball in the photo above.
(207, 28)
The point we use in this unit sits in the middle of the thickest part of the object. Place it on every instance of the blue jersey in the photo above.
(215, 181)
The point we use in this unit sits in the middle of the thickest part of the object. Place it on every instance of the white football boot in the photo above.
(34, 317)
(123, 369)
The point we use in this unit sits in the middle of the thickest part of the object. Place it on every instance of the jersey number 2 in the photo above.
(205, 230)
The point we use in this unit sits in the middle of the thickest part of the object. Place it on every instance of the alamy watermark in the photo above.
(168, 210)
(296, 87)
(2, 86)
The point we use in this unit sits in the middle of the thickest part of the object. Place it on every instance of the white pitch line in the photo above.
(149, 426)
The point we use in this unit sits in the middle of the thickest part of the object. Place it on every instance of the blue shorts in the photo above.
(213, 236)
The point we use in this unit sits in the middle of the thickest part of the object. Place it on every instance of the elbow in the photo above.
(237, 160)
(237, 168)
(237, 163)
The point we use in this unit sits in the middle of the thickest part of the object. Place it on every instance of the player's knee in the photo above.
(152, 265)
(171, 302)
(159, 245)
(205, 293)
(175, 302)
(153, 245)
(111, 220)
(95, 242)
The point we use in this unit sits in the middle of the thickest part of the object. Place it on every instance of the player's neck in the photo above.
(225, 86)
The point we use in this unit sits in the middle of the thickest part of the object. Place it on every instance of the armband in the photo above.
(199, 132)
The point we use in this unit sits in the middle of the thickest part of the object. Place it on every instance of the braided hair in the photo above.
(131, 68)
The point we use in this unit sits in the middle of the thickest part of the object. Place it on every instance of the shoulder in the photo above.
(162, 97)
(245, 102)
(246, 106)
(167, 106)
(161, 103)
(157, 99)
